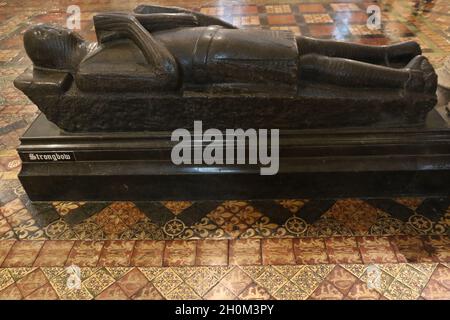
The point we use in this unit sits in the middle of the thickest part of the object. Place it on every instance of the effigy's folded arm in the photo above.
(158, 70)
(164, 21)
(113, 26)
(203, 19)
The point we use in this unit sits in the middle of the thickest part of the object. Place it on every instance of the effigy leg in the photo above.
(401, 52)
(417, 76)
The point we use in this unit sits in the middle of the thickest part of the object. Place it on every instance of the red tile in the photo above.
(326, 291)
(31, 282)
(113, 292)
(352, 17)
(311, 8)
(360, 291)
(376, 250)
(310, 251)
(148, 292)
(132, 282)
(212, 253)
(341, 279)
(116, 253)
(236, 281)
(11, 293)
(278, 251)
(438, 247)
(11, 207)
(45, 292)
(379, 41)
(148, 253)
(180, 253)
(435, 291)
(321, 30)
(85, 253)
(396, 28)
(410, 249)
(343, 250)
(4, 227)
(245, 252)
(245, 10)
(54, 253)
(23, 254)
(5, 246)
(254, 292)
(442, 275)
(283, 19)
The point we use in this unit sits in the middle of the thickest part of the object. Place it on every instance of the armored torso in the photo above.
(218, 55)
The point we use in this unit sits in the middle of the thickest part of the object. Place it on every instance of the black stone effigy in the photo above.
(320, 163)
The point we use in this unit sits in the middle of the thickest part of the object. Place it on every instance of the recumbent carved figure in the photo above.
(168, 51)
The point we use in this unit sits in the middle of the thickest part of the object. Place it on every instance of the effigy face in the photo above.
(161, 68)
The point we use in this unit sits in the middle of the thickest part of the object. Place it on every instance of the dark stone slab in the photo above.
(313, 164)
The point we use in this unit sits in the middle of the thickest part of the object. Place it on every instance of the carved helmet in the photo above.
(54, 47)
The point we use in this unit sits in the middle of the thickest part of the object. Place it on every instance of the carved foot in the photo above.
(422, 76)
(402, 52)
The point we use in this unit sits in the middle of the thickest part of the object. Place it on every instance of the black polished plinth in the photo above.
(313, 164)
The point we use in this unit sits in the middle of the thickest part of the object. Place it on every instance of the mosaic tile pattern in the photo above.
(284, 282)
(249, 252)
(370, 268)
(298, 218)
(274, 249)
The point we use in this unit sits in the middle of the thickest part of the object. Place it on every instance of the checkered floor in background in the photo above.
(275, 249)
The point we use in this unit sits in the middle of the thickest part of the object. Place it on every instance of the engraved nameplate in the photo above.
(48, 156)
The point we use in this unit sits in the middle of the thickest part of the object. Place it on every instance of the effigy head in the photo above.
(54, 47)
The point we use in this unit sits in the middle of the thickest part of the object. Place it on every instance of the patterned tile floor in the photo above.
(275, 249)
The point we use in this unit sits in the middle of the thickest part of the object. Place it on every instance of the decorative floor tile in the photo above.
(411, 249)
(236, 281)
(148, 253)
(5, 246)
(277, 9)
(310, 251)
(179, 253)
(132, 282)
(442, 275)
(214, 11)
(435, 291)
(245, 252)
(317, 18)
(376, 250)
(326, 291)
(405, 239)
(281, 19)
(11, 293)
(311, 8)
(246, 21)
(212, 252)
(116, 253)
(254, 292)
(148, 292)
(360, 291)
(98, 282)
(46, 292)
(85, 253)
(23, 253)
(243, 10)
(343, 250)
(344, 7)
(341, 279)
(54, 253)
(277, 251)
(31, 282)
(113, 292)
